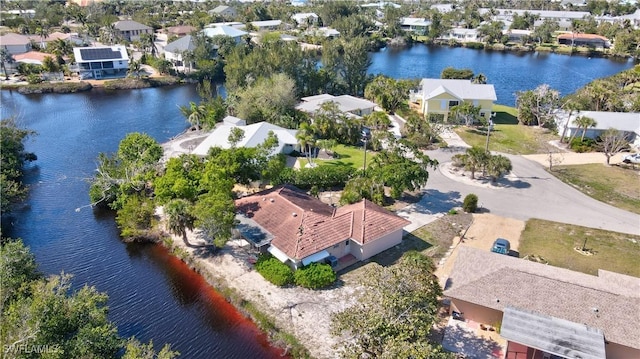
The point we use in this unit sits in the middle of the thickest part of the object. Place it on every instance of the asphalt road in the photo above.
(531, 192)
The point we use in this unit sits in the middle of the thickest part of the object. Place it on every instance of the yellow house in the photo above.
(438, 96)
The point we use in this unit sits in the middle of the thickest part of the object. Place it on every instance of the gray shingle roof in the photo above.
(498, 281)
(184, 43)
(128, 25)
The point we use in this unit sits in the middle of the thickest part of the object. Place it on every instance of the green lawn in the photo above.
(610, 184)
(507, 135)
(555, 242)
(345, 156)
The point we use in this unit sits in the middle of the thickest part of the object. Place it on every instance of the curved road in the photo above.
(529, 192)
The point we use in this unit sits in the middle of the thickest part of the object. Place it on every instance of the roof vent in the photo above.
(264, 199)
(271, 200)
(295, 214)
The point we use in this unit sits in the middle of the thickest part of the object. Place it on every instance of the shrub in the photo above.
(274, 271)
(452, 211)
(586, 145)
(315, 276)
(470, 203)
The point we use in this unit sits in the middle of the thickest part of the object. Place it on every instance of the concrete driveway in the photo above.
(529, 192)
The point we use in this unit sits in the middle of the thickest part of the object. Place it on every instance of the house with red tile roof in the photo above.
(544, 311)
(299, 229)
(575, 39)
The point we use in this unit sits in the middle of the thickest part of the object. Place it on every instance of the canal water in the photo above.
(507, 71)
(152, 295)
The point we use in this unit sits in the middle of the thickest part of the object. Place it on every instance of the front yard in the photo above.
(555, 243)
(507, 135)
(350, 156)
(613, 185)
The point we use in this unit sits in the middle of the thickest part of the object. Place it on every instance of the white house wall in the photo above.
(374, 247)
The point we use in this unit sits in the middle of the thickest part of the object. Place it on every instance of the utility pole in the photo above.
(489, 128)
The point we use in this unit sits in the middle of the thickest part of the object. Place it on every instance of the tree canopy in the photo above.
(12, 158)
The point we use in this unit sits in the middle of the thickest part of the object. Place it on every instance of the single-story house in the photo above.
(461, 34)
(516, 34)
(324, 32)
(575, 39)
(416, 25)
(175, 50)
(267, 25)
(629, 122)
(302, 229)
(443, 8)
(32, 57)
(99, 62)
(224, 11)
(224, 30)
(305, 18)
(381, 5)
(438, 96)
(15, 43)
(346, 104)
(254, 135)
(181, 30)
(130, 30)
(544, 311)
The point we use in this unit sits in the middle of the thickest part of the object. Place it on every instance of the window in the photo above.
(481, 114)
(475, 102)
(346, 243)
(453, 103)
(443, 104)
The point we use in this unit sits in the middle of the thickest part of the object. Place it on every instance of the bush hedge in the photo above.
(315, 276)
(320, 176)
(274, 271)
(470, 203)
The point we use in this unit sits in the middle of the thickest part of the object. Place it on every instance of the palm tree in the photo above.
(306, 140)
(43, 31)
(179, 218)
(148, 45)
(5, 58)
(134, 68)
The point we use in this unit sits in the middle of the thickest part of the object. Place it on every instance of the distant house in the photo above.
(224, 30)
(461, 34)
(381, 5)
(100, 62)
(591, 40)
(551, 311)
(517, 34)
(181, 30)
(299, 229)
(628, 122)
(174, 51)
(267, 25)
(305, 18)
(15, 43)
(562, 18)
(438, 96)
(443, 8)
(71, 37)
(254, 135)
(324, 32)
(32, 57)
(346, 104)
(416, 25)
(224, 11)
(130, 30)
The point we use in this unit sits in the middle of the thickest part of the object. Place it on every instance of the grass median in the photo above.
(556, 243)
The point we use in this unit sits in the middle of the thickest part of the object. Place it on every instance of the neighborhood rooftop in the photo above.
(498, 281)
(346, 103)
(462, 89)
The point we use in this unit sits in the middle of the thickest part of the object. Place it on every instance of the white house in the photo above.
(414, 24)
(629, 122)
(346, 104)
(175, 50)
(99, 62)
(224, 30)
(15, 43)
(438, 96)
(224, 11)
(305, 18)
(254, 135)
(461, 35)
(267, 25)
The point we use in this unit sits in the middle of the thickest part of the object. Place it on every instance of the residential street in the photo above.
(530, 192)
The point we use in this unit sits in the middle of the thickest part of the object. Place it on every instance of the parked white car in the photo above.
(632, 158)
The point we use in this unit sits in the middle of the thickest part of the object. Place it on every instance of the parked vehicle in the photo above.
(632, 158)
(501, 246)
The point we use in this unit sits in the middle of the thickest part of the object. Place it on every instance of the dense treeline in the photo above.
(42, 316)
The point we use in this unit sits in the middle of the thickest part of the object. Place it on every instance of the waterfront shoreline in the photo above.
(75, 85)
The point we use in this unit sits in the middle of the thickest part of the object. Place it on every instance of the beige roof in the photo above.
(302, 225)
(14, 39)
(609, 301)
